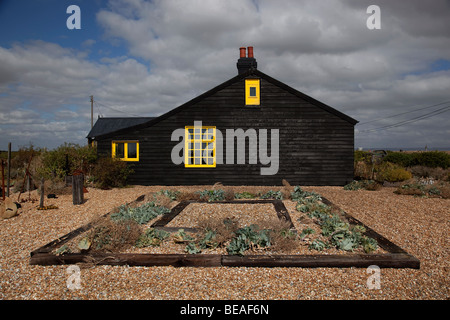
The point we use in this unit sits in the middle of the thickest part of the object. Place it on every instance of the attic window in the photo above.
(125, 150)
(200, 147)
(252, 92)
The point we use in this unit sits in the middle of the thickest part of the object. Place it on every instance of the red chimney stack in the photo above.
(242, 51)
(246, 60)
(250, 52)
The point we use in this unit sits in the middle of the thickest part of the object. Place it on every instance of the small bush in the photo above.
(110, 173)
(391, 172)
(114, 236)
(427, 172)
(223, 228)
(362, 170)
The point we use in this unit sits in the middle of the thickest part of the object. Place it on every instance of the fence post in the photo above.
(41, 202)
(77, 189)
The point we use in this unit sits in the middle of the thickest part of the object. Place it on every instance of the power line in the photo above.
(415, 119)
(127, 113)
(98, 108)
(399, 114)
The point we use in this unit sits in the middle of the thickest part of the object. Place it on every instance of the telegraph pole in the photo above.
(92, 112)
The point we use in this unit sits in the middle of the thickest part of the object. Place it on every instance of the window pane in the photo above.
(252, 91)
(132, 150)
(120, 150)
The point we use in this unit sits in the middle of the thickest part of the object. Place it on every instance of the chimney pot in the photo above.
(250, 52)
(242, 52)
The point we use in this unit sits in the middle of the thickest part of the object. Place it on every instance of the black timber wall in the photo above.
(316, 147)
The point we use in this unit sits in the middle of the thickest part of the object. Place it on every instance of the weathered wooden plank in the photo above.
(323, 261)
(282, 212)
(116, 259)
(171, 215)
(398, 260)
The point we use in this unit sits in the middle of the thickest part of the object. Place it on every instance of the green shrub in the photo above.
(364, 156)
(432, 159)
(391, 172)
(401, 158)
(110, 173)
(67, 158)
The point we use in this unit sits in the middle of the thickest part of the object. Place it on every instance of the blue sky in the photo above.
(146, 57)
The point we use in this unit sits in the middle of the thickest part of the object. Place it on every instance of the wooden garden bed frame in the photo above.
(395, 258)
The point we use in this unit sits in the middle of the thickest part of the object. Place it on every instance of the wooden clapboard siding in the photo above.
(316, 142)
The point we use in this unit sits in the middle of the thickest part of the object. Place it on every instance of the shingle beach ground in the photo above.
(418, 225)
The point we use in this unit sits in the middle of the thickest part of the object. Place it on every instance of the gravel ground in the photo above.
(418, 225)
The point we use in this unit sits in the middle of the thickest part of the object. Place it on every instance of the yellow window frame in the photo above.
(252, 92)
(114, 145)
(197, 141)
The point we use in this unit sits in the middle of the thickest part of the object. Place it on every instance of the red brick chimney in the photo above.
(246, 61)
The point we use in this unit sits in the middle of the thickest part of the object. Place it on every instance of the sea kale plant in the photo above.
(338, 232)
(141, 215)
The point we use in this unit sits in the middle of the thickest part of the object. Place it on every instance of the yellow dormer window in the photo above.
(252, 92)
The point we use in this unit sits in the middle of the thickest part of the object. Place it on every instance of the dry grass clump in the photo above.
(224, 228)
(162, 200)
(282, 238)
(188, 195)
(113, 236)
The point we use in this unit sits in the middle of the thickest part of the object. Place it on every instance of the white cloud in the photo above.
(179, 49)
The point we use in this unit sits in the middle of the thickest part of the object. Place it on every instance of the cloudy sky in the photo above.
(144, 58)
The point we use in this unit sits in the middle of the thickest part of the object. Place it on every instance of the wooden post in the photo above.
(41, 202)
(77, 189)
(9, 170)
(3, 181)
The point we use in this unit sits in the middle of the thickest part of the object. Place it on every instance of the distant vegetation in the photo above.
(65, 160)
(420, 173)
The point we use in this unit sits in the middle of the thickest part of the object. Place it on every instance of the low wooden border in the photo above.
(395, 258)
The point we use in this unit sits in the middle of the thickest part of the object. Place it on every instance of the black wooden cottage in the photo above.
(219, 137)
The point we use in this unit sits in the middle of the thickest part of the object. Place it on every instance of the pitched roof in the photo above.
(107, 125)
(250, 72)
